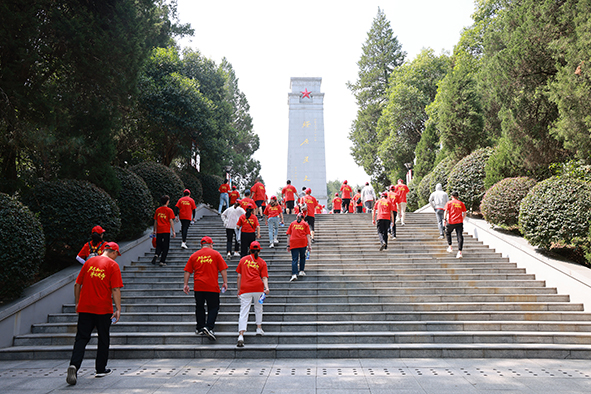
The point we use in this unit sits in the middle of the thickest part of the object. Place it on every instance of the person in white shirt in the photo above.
(368, 196)
(438, 199)
(230, 217)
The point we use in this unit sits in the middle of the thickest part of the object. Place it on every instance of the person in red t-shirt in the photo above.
(273, 216)
(394, 200)
(310, 203)
(289, 193)
(336, 203)
(453, 218)
(246, 201)
(346, 191)
(298, 240)
(233, 195)
(224, 189)
(163, 225)
(97, 286)
(94, 247)
(253, 281)
(258, 195)
(186, 206)
(205, 265)
(249, 225)
(401, 191)
(358, 203)
(384, 211)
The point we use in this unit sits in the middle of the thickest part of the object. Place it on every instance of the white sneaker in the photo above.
(276, 241)
(449, 249)
(240, 341)
(229, 255)
(459, 255)
(271, 245)
(236, 254)
(402, 224)
(293, 277)
(302, 273)
(260, 332)
(184, 245)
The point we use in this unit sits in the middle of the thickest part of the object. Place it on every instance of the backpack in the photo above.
(94, 251)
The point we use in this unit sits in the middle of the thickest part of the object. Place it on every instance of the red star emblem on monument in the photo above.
(305, 93)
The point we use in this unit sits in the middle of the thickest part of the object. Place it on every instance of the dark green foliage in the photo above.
(426, 151)
(135, 204)
(412, 198)
(467, 178)
(68, 210)
(556, 211)
(161, 180)
(424, 189)
(441, 174)
(500, 204)
(22, 247)
(191, 182)
(211, 185)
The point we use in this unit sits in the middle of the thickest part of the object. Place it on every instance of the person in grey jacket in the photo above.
(368, 196)
(438, 199)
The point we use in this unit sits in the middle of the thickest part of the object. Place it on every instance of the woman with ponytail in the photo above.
(249, 225)
(252, 282)
(94, 247)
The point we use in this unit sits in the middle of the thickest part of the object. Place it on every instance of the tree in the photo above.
(412, 88)
(381, 55)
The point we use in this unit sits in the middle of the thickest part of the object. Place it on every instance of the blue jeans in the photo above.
(273, 224)
(224, 200)
(439, 213)
(295, 253)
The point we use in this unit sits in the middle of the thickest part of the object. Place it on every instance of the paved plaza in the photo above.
(303, 376)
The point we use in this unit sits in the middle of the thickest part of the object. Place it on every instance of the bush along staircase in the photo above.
(412, 300)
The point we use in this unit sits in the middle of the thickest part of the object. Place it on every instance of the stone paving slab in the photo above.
(314, 376)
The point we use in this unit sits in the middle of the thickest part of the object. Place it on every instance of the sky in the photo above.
(269, 42)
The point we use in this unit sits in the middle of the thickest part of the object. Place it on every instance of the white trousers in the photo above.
(245, 301)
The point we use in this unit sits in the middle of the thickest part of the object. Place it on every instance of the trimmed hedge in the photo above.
(441, 174)
(557, 210)
(22, 247)
(191, 182)
(135, 204)
(467, 178)
(161, 180)
(68, 210)
(500, 204)
(412, 198)
(424, 189)
(211, 185)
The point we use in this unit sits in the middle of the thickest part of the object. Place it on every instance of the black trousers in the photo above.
(346, 202)
(393, 225)
(245, 240)
(185, 223)
(213, 307)
(459, 227)
(231, 234)
(162, 245)
(86, 323)
(383, 226)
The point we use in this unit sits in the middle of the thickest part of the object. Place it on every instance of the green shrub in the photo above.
(556, 210)
(161, 180)
(22, 247)
(412, 198)
(211, 185)
(135, 204)
(441, 174)
(424, 189)
(191, 182)
(467, 178)
(500, 204)
(68, 210)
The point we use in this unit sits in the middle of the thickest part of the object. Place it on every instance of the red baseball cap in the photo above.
(273, 197)
(391, 187)
(336, 194)
(251, 206)
(98, 230)
(187, 191)
(384, 194)
(206, 240)
(255, 245)
(233, 187)
(112, 246)
(345, 181)
(308, 191)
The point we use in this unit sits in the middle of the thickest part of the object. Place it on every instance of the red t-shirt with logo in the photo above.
(311, 203)
(234, 195)
(401, 192)
(393, 197)
(224, 188)
(186, 205)
(258, 191)
(273, 211)
(98, 277)
(383, 208)
(337, 203)
(346, 189)
(245, 201)
(205, 264)
(357, 199)
(248, 225)
(289, 192)
(252, 270)
(454, 209)
(298, 234)
(162, 217)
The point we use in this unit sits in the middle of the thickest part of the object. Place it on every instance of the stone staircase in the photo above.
(412, 300)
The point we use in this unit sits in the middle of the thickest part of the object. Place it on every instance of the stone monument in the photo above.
(306, 160)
